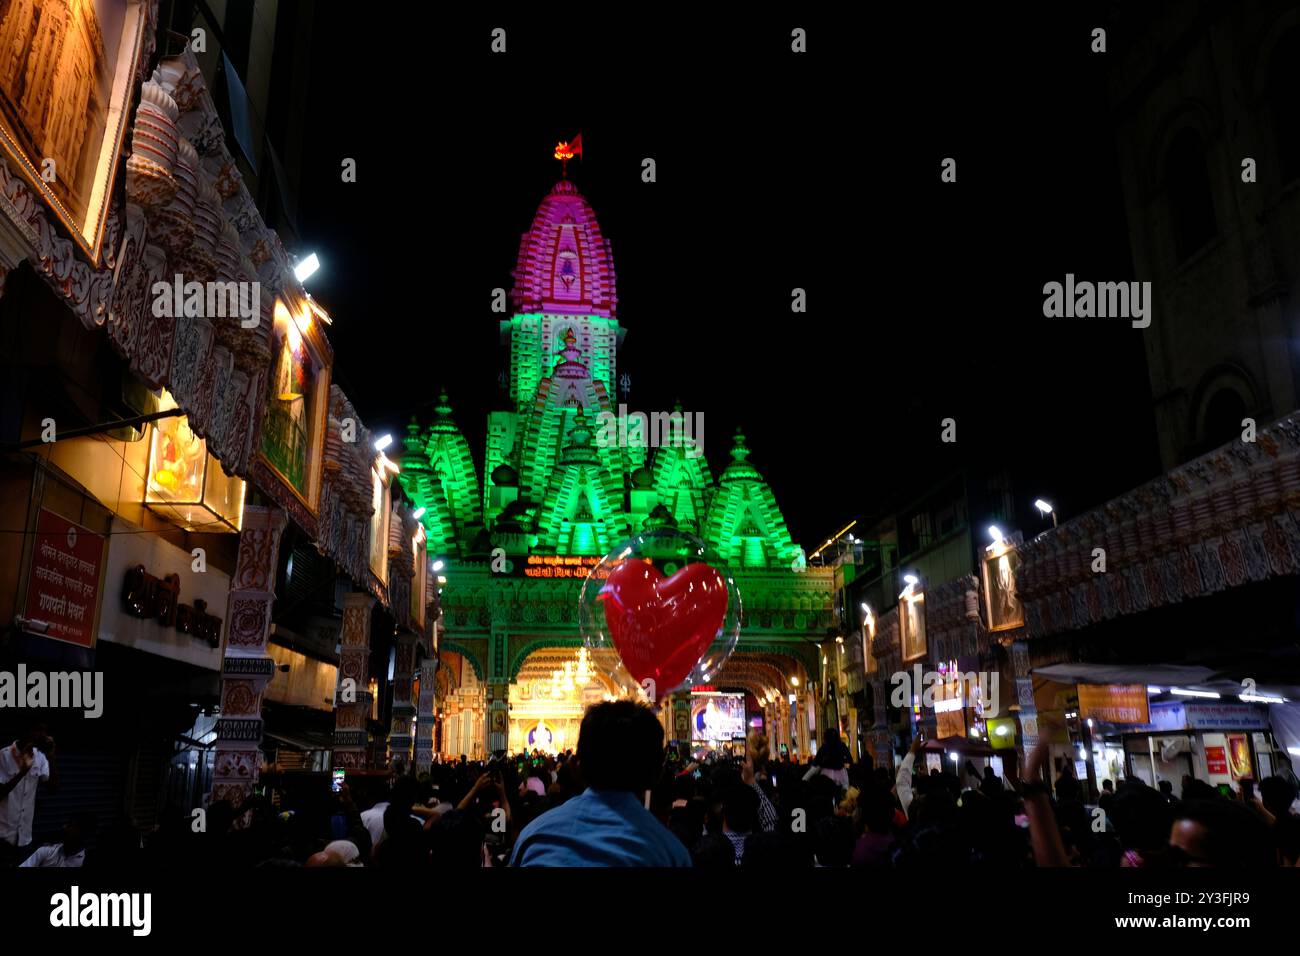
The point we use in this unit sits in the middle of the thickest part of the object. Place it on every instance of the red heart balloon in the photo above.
(662, 626)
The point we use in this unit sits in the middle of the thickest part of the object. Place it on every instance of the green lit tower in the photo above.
(550, 486)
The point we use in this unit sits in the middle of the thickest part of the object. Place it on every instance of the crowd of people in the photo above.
(623, 799)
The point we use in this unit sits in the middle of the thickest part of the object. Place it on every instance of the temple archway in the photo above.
(551, 689)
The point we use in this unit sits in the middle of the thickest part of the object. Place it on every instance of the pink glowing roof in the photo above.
(565, 264)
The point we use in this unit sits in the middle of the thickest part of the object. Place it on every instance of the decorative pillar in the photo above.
(1027, 739)
(426, 715)
(352, 694)
(401, 577)
(681, 718)
(801, 722)
(245, 666)
(498, 687)
(882, 739)
(400, 740)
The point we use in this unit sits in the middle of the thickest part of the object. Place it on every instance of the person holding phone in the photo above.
(903, 779)
(24, 765)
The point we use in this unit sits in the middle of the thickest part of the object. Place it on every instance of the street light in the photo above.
(1046, 509)
(995, 533)
(418, 513)
(305, 269)
(383, 442)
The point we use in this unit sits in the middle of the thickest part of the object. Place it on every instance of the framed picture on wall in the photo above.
(911, 625)
(1001, 602)
(67, 74)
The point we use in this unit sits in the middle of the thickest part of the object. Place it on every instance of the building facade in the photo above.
(176, 460)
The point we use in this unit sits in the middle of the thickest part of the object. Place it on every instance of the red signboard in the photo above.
(1216, 760)
(63, 587)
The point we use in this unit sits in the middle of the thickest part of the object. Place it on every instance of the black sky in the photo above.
(775, 171)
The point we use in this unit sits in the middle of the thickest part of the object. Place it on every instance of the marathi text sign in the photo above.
(1114, 703)
(1216, 761)
(1208, 716)
(559, 566)
(63, 587)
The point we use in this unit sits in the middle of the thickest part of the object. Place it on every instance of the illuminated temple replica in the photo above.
(516, 543)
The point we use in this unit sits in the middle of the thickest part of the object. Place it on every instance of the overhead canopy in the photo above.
(969, 746)
(1226, 681)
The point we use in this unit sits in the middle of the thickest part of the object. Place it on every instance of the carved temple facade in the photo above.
(556, 494)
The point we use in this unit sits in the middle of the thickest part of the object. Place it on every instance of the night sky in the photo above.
(775, 171)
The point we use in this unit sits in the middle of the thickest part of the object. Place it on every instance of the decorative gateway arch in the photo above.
(556, 495)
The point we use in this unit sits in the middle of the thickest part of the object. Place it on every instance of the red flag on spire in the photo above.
(576, 145)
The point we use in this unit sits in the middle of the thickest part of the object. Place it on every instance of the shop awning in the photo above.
(1163, 675)
(302, 741)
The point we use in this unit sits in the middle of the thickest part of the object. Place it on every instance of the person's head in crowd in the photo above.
(876, 811)
(1067, 788)
(1277, 794)
(832, 736)
(220, 816)
(1194, 789)
(620, 747)
(35, 737)
(936, 809)
(456, 841)
(832, 841)
(1166, 789)
(77, 832)
(404, 793)
(1108, 786)
(757, 748)
(336, 853)
(823, 795)
(1220, 833)
(1142, 818)
(739, 808)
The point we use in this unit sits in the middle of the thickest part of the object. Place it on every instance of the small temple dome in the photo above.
(740, 469)
(503, 474)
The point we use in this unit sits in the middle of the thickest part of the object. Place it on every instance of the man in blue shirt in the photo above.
(620, 754)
